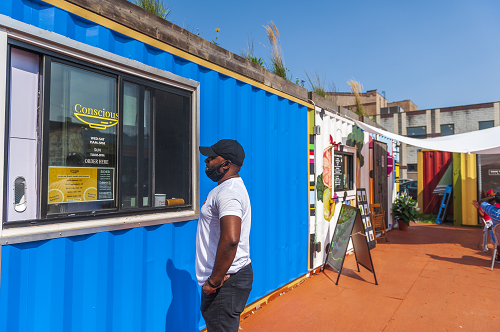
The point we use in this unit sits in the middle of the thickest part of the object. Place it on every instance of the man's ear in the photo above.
(227, 165)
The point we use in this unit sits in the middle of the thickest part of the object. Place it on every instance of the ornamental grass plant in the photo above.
(317, 83)
(356, 89)
(156, 7)
(277, 65)
(248, 52)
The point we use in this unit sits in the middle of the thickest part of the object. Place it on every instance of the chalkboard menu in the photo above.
(349, 225)
(365, 217)
(341, 236)
(338, 171)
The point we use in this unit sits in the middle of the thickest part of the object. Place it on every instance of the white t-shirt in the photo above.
(230, 198)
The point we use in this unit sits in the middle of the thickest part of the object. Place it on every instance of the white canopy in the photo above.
(486, 141)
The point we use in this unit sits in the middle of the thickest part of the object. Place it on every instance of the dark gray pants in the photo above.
(221, 310)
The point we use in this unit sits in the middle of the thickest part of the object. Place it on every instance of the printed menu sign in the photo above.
(365, 217)
(338, 171)
(80, 184)
(99, 148)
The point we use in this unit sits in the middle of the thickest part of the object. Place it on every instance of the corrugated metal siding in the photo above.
(143, 279)
(435, 165)
(469, 188)
(338, 129)
(457, 189)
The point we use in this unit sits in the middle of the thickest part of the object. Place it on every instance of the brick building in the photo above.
(434, 123)
(372, 100)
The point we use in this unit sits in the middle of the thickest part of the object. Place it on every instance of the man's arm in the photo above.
(485, 200)
(230, 229)
(489, 209)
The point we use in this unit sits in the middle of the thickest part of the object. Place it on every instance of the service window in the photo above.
(82, 140)
(343, 171)
(109, 143)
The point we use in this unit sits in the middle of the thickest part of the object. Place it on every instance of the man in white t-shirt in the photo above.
(223, 265)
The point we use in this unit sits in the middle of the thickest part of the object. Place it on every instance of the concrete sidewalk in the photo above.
(431, 278)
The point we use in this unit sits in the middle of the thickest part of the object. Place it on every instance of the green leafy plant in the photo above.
(317, 83)
(156, 7)
(357, 139)
(277, 65)
(405, 208)
(216, 37)
(248, 53)
(320, 187)
(428, 218)
(299, 82)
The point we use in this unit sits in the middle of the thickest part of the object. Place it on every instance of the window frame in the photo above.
(412, 171)
(487, 121)
(352, 170)
(417, 136)
(48, 56)
(447, 124)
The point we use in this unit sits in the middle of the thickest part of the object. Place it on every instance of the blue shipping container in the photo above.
(143, 279)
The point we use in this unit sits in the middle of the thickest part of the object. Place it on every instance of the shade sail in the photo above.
(486, 141)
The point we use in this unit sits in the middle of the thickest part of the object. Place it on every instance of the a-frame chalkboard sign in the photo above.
(349, 225)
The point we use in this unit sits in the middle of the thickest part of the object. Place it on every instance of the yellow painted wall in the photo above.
(469, 188)
(397, 176)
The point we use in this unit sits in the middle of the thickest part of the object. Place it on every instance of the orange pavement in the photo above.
(431, 278)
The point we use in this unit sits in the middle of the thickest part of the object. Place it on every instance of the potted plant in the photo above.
(405, 209)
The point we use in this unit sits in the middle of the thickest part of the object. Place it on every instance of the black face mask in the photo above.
(214, 174)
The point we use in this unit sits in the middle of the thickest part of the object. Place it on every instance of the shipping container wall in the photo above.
(364, 169)
(457, 189)
(391, 175)
(468, 174)
(434, 166)
(334, 129)
(391, 178)
(143, 278)
(337, 133)
(464, 189)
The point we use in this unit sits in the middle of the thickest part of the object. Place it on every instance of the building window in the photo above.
(416, 132)
(485, 124)
(110, 143)
(447, 129)
(411, 168)
(343, 171)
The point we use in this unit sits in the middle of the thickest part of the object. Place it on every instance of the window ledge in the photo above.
(53, 231)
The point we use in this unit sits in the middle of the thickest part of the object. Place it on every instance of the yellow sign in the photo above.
(98, 119)
(79, 184)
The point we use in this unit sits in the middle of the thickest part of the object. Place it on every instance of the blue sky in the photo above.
(436, 53)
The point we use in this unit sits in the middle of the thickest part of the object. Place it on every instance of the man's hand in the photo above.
(207, 289)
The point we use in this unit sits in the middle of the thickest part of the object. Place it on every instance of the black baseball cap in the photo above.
(228, 149)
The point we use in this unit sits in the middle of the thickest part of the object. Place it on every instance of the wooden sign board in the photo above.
(362, 199)
(349, 225)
